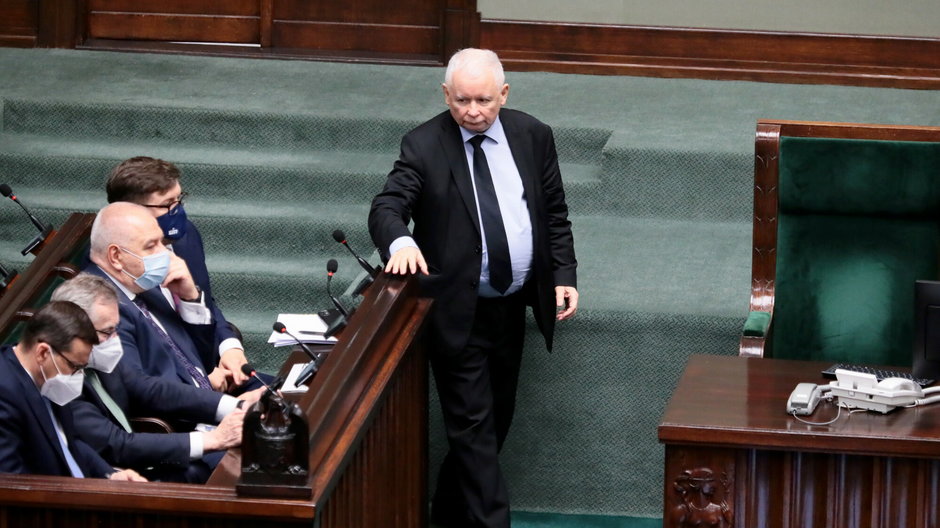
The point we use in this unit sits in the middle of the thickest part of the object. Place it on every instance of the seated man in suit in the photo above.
(113, 394)
(42, 373)
(166, 328)
(155, 184)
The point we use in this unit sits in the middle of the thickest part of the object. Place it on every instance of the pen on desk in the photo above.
(310, 333)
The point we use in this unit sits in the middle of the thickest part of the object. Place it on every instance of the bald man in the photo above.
(166, 329)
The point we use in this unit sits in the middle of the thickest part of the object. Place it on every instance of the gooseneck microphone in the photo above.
(340, 237)
(331, 267)
(250, 371)
(311, 367)
(44, 229)
(281, 329)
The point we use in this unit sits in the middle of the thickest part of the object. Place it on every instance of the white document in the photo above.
(290, 384)
(308, 328)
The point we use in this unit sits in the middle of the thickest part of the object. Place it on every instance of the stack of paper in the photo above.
(308, 328)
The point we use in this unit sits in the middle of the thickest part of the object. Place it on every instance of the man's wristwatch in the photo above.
(198, 296)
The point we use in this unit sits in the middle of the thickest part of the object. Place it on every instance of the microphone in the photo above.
(281, 329)
(331, 267)
(44, 229)
(250, 371)
(340, 237)
(311, 367)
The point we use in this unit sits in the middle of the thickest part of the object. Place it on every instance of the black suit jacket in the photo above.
(140, 395)
(147, 351)
(28, 441)
(430, 183)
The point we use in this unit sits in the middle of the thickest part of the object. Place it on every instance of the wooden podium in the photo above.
(367, 413)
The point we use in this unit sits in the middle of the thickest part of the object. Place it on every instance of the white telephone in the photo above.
(864, 391)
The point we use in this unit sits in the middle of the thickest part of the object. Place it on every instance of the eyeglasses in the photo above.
(106, 333)
(173, 207)
(75, 368)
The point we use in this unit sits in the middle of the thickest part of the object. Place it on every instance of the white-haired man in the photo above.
(491, 235)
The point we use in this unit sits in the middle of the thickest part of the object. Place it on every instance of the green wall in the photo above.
(920, 18)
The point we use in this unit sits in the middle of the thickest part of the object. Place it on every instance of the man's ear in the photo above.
(43, 351)
(113, 253)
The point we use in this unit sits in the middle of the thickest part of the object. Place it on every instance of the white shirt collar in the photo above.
(130, 295)
(495, 132)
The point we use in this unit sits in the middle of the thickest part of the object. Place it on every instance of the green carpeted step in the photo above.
(229, 173)
(625, 264)
(669, 182)
(584, 437)
(241, 129)
(525, 519)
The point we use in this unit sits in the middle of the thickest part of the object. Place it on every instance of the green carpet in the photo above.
(278, 154)
(554, 520)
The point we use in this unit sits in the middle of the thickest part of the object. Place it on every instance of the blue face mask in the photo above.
(156, 267)
(173, 223)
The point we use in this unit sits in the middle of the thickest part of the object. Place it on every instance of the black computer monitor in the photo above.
(927, 329)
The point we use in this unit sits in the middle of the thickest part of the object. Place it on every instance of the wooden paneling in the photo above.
(382, 12)
(190, 7)
(361, 25)
(356, 37)
(126, 26)
(907, 62)
(425, 32)
(236, 21)
(18, 23)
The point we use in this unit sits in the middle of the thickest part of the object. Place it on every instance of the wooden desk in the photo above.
(367, 412)
(735, 458)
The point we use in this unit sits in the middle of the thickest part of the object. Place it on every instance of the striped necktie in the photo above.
(195, 374)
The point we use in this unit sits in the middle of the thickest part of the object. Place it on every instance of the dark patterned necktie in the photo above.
(197, 376)
(497, 247)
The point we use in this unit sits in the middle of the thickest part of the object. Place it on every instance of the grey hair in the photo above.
(85, 290)
(475, 62)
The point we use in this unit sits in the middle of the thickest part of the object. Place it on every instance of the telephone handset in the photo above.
(804, 398)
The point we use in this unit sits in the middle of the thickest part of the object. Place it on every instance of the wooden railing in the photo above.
(367, 415)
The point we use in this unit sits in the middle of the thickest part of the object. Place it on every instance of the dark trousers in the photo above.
(477, 389)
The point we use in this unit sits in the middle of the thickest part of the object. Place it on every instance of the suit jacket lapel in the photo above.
(452, 143)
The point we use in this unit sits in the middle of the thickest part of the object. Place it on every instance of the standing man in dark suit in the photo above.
(41, 374)
(155, 184)
(166, 328)
(113, 394)
(491, 235)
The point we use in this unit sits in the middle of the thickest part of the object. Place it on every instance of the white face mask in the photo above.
(105, 356)
(61, 389)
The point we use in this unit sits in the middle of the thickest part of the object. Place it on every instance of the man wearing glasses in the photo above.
(155, 184)
(42, 373)
(113, 394)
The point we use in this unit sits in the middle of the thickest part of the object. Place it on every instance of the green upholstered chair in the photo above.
(845, 220)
